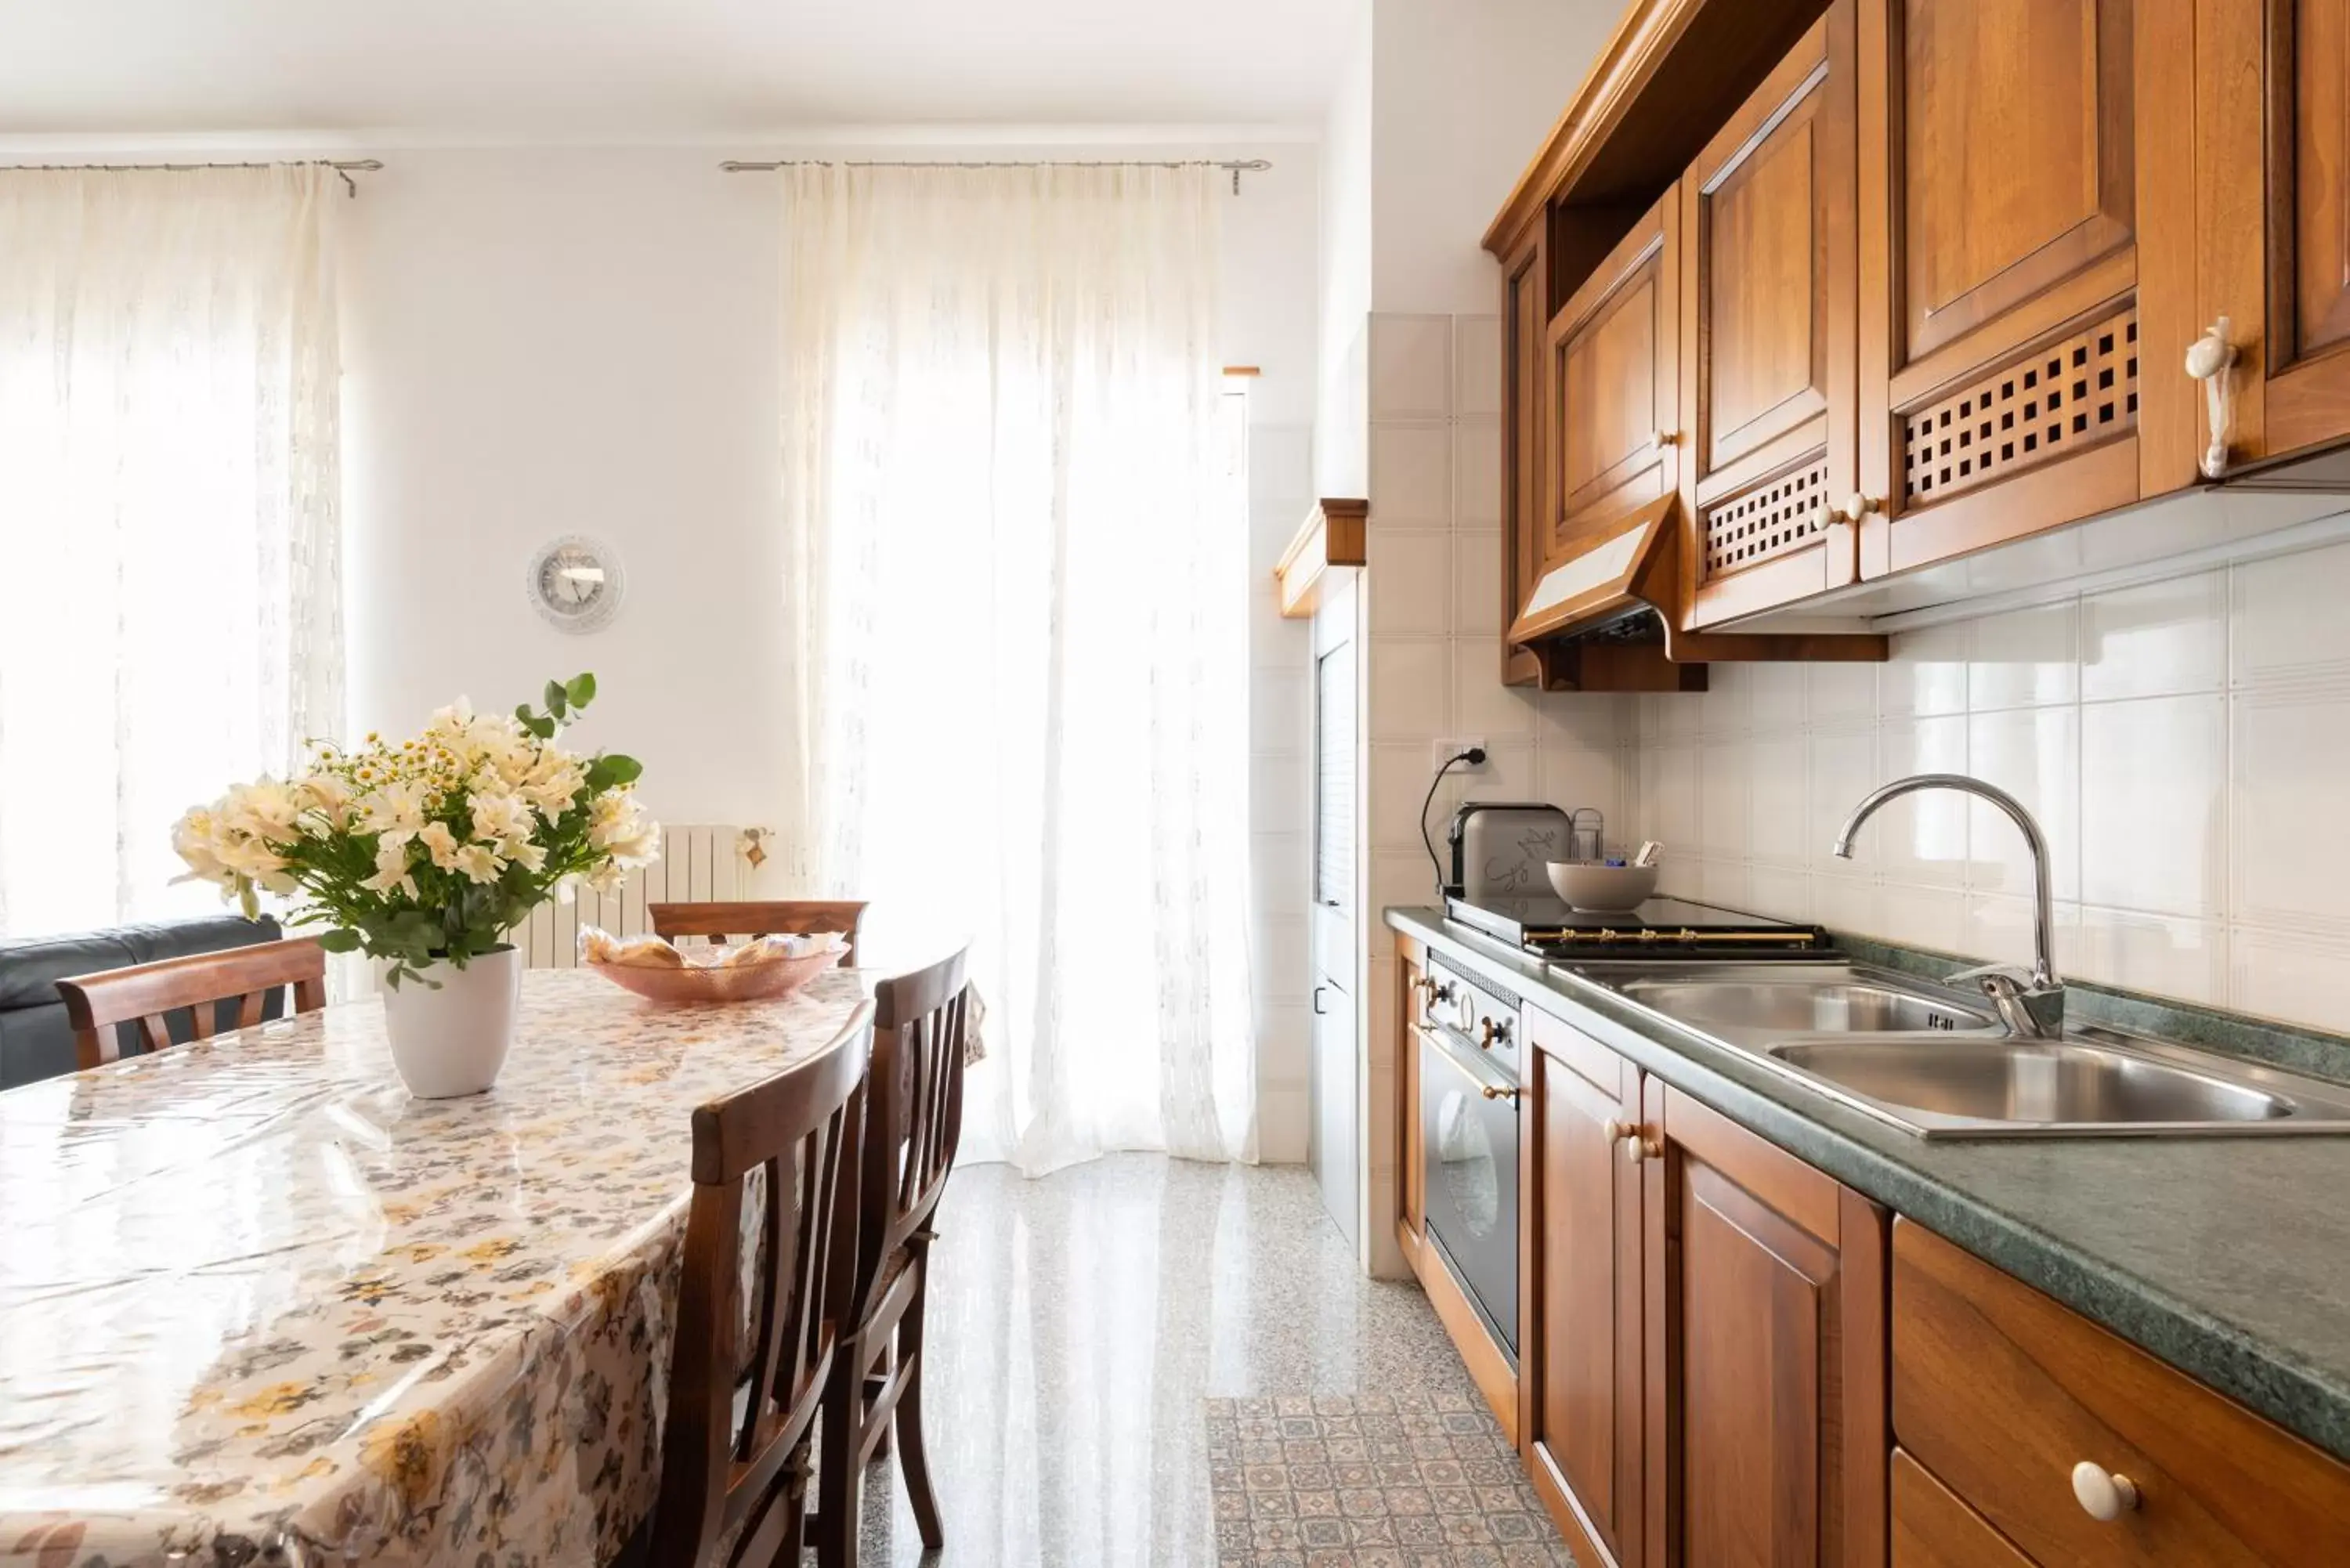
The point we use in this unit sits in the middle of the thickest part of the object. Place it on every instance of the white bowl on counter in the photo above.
(1603, 890)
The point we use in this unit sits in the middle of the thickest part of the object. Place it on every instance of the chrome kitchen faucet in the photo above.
(2033, 1003)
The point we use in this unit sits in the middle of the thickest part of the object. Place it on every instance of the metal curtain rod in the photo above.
(1238, 166)
(345, 167)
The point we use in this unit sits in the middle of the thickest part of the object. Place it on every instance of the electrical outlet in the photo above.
(1444, 750)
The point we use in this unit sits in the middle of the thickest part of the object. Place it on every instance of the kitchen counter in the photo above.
(2227, 1256)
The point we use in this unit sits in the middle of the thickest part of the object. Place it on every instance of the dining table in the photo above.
(259, 1304)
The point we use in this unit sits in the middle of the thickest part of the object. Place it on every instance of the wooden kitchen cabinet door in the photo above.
(1764, 1313)
(1525, 329)
(1770, 289)
(2011, 152)
(1614, 388)
(1580, 1374)
(2273, 172)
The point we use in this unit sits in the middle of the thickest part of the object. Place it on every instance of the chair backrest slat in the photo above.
(724, 922)
(802, 1130)
(921, 1023)
(145, 995)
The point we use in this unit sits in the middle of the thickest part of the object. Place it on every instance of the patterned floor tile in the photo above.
(1411, 1479)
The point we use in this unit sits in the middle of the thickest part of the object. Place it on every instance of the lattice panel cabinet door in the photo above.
(1770, 289)
(2272, 170)
(1614, 388)
(2012, 154)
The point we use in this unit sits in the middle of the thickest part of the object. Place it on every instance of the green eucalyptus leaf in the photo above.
(339, 940)
(613, 769)
(581, 689)
(555, 698)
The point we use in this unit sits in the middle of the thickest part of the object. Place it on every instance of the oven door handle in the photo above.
(1439, 1037)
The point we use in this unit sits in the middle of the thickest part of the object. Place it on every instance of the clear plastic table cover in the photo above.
(256, 1300)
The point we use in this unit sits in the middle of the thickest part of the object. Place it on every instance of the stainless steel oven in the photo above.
(1469, 1079)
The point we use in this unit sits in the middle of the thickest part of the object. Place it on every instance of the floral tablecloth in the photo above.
(253, 1296)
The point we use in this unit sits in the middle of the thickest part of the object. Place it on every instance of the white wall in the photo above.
(1464, 93)
(1341, 458)
(548, 342)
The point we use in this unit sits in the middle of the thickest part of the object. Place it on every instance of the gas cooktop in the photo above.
(1549, 928)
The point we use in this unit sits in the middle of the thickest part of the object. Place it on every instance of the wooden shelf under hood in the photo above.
(1605, 620)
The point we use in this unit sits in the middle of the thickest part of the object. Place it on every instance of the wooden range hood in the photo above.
(1604, 621)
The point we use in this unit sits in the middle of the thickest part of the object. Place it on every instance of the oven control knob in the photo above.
(1492, 1032)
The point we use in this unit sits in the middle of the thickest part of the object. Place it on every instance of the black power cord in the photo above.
(1475, 757)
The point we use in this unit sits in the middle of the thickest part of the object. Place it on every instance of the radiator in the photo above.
(698, 866)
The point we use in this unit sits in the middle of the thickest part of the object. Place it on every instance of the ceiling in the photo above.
(580, 69)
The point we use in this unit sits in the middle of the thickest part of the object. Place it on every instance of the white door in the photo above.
(1335, 1084)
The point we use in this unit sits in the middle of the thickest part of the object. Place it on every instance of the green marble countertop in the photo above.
(2229, 1258)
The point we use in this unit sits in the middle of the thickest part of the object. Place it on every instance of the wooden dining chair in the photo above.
(734, 1455)
(773, 918)
(913, 1123)
(205, 986)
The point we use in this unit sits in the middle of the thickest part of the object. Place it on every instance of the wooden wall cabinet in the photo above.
(2015, 337)
(1612, 385)
(1525, 334)
(2273, 203)
(1703, 1381)
(1770, 290)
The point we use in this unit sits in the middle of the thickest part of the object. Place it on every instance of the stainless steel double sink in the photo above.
(1938, 1062)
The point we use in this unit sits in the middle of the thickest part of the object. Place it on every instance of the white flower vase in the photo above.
(452, 1041)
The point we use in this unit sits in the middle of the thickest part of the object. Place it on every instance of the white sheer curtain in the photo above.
(169, 576)
(1018, 603)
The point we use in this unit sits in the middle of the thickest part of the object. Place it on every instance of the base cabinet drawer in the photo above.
(1932, 1529)
(2001, 1392)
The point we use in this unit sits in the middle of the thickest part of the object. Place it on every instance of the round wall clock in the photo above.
(575, 583)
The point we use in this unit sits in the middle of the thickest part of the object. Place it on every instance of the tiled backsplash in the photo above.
(2185, 745)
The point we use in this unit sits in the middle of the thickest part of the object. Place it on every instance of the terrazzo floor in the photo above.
(1081, 1327)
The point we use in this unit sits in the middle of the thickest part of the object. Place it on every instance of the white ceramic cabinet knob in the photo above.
(1616, 1131)
(2102, 1494)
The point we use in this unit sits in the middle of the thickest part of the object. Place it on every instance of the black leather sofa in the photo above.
(35, 1040)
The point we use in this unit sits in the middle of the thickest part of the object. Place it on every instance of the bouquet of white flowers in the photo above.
(430, 850)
